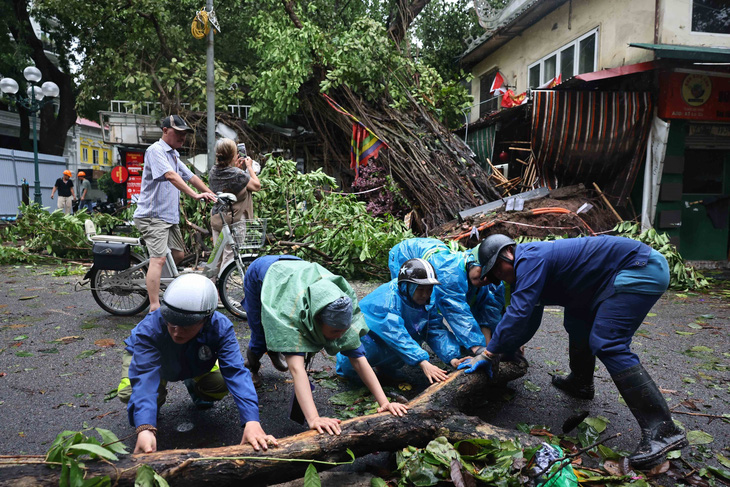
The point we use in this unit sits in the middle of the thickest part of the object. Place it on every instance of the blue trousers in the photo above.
(608, 330)
(251, 303)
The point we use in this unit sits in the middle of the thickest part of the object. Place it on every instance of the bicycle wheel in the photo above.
(121, 297)
(230, 287)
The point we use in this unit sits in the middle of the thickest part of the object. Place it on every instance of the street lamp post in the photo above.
(37, 97)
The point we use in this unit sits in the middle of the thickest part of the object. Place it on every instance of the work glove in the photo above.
(489, 364)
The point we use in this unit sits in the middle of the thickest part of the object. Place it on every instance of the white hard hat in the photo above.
(188, 300)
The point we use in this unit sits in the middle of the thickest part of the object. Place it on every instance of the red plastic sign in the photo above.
(120, 174)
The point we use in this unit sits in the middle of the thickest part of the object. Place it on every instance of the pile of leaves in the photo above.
(308, 217)
(55, 234)
(584, 459)
(682, 275)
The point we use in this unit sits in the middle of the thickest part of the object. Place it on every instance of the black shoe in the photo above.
(579, 383)
(575, 387)
(659, 434)
(199, 402)
(278, 361)
(253, 363)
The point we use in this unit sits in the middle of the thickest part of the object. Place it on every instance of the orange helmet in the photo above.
(81, 173)
(67, 173)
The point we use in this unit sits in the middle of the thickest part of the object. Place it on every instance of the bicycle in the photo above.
(118, 275)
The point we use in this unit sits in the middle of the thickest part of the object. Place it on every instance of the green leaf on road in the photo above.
(724, 461)
(701, 349)
(683, 332)
(20, 337)
(532, 387)
(377, 482)
(697, 437)
(694, 326)
(311, 477)
(707, 317)
(673, 455)
(23, 354)
(92, 449)
(598, 423)
(86, 354)
(147, 477)
(25, 298)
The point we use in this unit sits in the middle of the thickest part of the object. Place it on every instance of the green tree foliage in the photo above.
(441, 31)
(56, 234)
(305, 208)
(300, 56)
(266, 56)
(114, 191)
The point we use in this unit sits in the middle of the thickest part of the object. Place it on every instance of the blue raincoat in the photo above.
(397, 330)
(466, 308)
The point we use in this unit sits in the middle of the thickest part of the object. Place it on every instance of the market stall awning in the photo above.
(590, 136)
(690, 53)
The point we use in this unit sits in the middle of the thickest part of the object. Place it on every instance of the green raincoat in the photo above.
(293, 292)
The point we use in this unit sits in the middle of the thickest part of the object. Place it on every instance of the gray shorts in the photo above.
(159, 236)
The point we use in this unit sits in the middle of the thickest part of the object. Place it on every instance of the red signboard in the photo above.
(119, 174)
(694, 96)
(134, 162)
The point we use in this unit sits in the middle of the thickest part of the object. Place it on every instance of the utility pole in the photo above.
(210, 93)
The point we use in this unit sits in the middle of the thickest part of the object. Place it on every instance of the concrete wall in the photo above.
(619, 22)
(675, 26)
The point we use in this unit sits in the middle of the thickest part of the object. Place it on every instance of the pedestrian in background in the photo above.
(84, 187)
(228, 176)
(66, 195)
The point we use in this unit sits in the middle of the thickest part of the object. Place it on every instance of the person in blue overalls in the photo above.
(470, 305)
(607, 285)
(186, 339)
(401, 316)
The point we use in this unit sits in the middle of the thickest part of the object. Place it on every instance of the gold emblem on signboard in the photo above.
(696, 89)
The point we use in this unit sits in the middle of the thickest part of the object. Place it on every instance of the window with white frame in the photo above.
(85, 154)
(711, 16)
(488, 102)
(577, 57)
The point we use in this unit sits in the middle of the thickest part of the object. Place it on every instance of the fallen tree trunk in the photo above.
(436, 412)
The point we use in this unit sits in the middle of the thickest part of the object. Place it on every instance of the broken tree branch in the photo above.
(435, 412)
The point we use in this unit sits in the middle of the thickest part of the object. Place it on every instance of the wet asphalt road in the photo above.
(60, 355)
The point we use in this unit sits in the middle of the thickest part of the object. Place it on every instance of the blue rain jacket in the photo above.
(466, 308)
(576, 273)
(397, 330)
(155, 356)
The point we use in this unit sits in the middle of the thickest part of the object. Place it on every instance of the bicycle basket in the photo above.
(249, 234)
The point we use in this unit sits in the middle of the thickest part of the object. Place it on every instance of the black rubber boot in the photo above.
(278, 361)
(253, 363)
(579, 383)
(199, 402)
(659, 434)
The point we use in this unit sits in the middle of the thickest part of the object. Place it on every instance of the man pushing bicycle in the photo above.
(158, 209)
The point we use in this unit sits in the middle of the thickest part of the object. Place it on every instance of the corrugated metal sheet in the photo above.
(482, 143)
(16, 165)
(590, 136)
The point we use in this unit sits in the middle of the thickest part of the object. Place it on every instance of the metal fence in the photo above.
(16, 165)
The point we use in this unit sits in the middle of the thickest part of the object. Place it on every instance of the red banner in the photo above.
(134, 162)
(694, 96)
